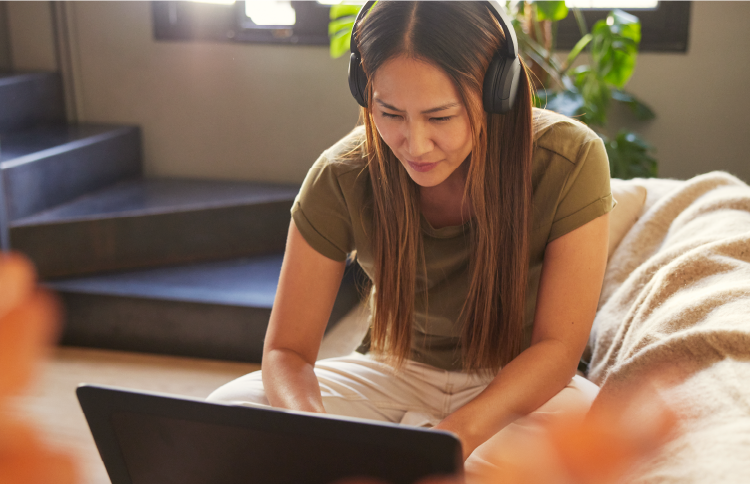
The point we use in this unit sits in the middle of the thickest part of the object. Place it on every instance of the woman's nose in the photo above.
(418, 141)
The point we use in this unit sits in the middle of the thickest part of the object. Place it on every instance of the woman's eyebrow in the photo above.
(426, 111)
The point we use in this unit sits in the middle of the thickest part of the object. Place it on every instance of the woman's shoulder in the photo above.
(346, 155)
(560, 134)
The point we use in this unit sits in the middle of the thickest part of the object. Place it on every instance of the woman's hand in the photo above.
(459, 424)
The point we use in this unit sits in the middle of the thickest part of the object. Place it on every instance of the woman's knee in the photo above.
(574, 400)
(245, 390)
(589, 390)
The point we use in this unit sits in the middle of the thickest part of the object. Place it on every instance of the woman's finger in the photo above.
(17, 280)
(25, 333)
(24, 458)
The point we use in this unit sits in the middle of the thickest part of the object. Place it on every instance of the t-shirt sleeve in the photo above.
(320, 212)
(586, 194)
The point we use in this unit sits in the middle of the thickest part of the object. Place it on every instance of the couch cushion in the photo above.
(630, 200)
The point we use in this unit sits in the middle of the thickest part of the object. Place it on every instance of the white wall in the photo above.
(216, 110)
(5, 62)
(702, 99)
(30, 31)
(265, 112)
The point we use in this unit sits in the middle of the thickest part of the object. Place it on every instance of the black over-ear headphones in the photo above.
(500, 81)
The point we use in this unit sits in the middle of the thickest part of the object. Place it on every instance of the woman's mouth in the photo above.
(422, 167)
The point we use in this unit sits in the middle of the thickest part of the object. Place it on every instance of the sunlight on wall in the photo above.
(609, 4)
(219, 2)
(603, 4)
(280, 12)
(264, 12)
(336, 2)
(271, 12)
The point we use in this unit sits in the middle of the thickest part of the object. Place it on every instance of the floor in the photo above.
(52, 405)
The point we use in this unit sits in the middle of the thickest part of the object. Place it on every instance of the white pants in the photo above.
(419, 395)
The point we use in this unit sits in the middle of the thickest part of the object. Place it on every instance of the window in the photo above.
(237, 22)
(664, 26)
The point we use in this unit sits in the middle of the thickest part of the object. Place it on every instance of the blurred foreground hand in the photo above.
(616, 436)
(29, 318)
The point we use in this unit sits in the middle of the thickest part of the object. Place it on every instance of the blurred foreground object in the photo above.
(612, 441)
(29, 319)
(616, 437)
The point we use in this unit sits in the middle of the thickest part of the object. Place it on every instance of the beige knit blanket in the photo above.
(676, 295)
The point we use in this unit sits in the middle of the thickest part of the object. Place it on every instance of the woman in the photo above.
(451, 212)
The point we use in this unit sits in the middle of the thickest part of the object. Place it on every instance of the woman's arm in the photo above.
(568, 295)
(307, 290)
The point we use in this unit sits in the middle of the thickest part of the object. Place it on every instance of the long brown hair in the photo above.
(460, 38)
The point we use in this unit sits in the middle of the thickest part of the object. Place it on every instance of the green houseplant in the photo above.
(583, 91)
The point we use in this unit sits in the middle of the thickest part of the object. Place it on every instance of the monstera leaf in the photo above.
(340, 28)
(614, 47)
(629, 156)
(554, 11)
(641, 111)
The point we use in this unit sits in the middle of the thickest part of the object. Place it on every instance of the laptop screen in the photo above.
(161, 450)
(147, 438)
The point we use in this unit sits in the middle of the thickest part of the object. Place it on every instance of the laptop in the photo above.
(152, 438)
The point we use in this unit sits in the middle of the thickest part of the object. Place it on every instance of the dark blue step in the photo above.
(217, 310)
(45, 166)
(150, 223)
(28, 100)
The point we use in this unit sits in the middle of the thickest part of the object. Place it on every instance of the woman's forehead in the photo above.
(405, 83)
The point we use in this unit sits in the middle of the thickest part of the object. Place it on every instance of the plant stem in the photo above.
(553, 47)
(580, 21)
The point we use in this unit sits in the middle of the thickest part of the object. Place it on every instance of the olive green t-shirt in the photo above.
(570, 178)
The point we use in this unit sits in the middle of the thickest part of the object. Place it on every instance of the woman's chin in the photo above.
(428, 178)
(425, 181)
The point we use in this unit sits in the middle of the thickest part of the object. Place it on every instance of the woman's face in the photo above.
(421, 117)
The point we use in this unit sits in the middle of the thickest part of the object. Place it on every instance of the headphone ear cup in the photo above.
(357, 80)
(500, 84)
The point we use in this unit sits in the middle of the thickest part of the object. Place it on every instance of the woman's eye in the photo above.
(442, 120)
(389, 115)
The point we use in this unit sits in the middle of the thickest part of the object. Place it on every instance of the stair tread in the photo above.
(246, 282)
(20, 147)
(7, 78)
(165, 195)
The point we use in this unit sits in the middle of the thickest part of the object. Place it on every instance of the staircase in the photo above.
(171, 266)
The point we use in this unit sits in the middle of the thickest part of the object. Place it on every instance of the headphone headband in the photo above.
(495, 8)
(501, 79)
(362, 12)
(511, 41)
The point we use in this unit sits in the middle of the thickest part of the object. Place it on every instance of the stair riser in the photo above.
(60, 177)
(32, 100)
(179, 328)
(4, 224)
(90, 246)
(165, 327)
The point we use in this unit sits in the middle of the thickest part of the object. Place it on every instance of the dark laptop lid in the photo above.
(149, 438)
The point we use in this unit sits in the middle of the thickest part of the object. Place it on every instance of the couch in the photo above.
(676, 303)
